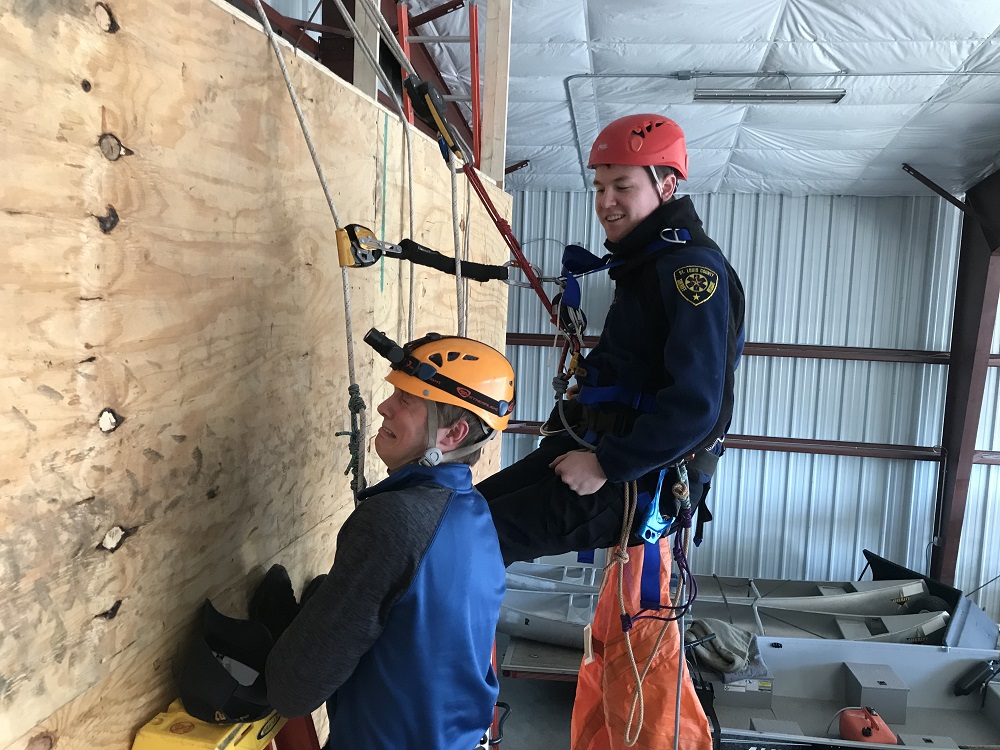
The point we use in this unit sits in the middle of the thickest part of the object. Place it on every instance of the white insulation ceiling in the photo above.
(922, 81)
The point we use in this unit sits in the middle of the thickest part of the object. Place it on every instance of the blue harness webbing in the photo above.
(654, 526)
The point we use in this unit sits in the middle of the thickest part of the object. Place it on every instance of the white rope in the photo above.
(336, 220)
(391, 92)
(468, 235)
(412, 312)
(459, 295)
(388, 36)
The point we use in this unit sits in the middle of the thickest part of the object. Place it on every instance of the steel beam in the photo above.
(435, 13)
(802, 351)
(799, 445)
(976, 294)
(288, 28)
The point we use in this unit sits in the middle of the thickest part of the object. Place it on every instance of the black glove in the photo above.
(311, 587)
(273, 603)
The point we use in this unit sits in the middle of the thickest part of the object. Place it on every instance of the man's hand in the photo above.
(580, 471)
(273, 602)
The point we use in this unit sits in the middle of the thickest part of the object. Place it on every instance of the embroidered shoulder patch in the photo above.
(696, 284)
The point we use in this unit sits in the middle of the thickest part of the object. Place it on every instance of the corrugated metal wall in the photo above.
(824, 270)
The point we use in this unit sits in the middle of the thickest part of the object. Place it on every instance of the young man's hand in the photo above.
(580, 471)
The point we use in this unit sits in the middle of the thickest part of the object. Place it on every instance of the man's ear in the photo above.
(668, 186)
(450, 437)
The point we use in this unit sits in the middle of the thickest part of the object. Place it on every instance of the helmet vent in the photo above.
(470, 358)
(452, 356)
(436, 359)
(641, 132)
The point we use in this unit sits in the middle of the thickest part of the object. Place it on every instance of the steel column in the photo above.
(474, 88)
(976, 295)
(337, 52)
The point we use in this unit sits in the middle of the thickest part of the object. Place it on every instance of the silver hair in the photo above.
(448, 414)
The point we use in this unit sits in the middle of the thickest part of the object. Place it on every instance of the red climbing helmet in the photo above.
(642, 141)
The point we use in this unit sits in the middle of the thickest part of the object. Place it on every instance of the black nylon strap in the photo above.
(424, 256)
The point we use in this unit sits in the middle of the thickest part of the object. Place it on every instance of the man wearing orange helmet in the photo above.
(654, 400)
(397, 639)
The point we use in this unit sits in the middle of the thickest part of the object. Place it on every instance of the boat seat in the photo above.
(832, 590)
(853, 630)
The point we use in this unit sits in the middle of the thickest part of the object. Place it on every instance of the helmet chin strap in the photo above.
(658, 186)
(434, 455)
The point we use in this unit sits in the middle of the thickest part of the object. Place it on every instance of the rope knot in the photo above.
(681, 491)
(626, 623)
(560, 385)
(356, 403)
(620, 555)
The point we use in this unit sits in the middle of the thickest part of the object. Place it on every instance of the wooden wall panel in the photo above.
(210, 318)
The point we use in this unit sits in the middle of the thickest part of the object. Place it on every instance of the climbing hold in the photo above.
(112, 148)
(108, 420)
(43, 741)
(109, 222)
(112, 613)
(114, 538)
(105, 18)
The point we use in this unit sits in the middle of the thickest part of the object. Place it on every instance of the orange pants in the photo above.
(606, 684)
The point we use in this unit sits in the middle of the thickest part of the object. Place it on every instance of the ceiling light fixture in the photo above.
(770, 96)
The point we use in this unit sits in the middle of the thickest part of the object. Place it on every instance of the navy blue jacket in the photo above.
(675, 334)
(399, 637)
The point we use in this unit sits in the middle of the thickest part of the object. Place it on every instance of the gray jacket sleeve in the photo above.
(379, 549)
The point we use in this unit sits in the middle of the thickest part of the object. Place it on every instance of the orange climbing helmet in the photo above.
(642, 141)
(451, 370)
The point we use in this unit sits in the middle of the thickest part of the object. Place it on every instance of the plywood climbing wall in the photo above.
(166, 261)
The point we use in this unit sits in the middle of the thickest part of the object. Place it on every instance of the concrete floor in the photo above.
(540, 711)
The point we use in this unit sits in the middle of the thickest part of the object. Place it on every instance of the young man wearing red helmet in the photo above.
(655, 390)
(397, 639)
